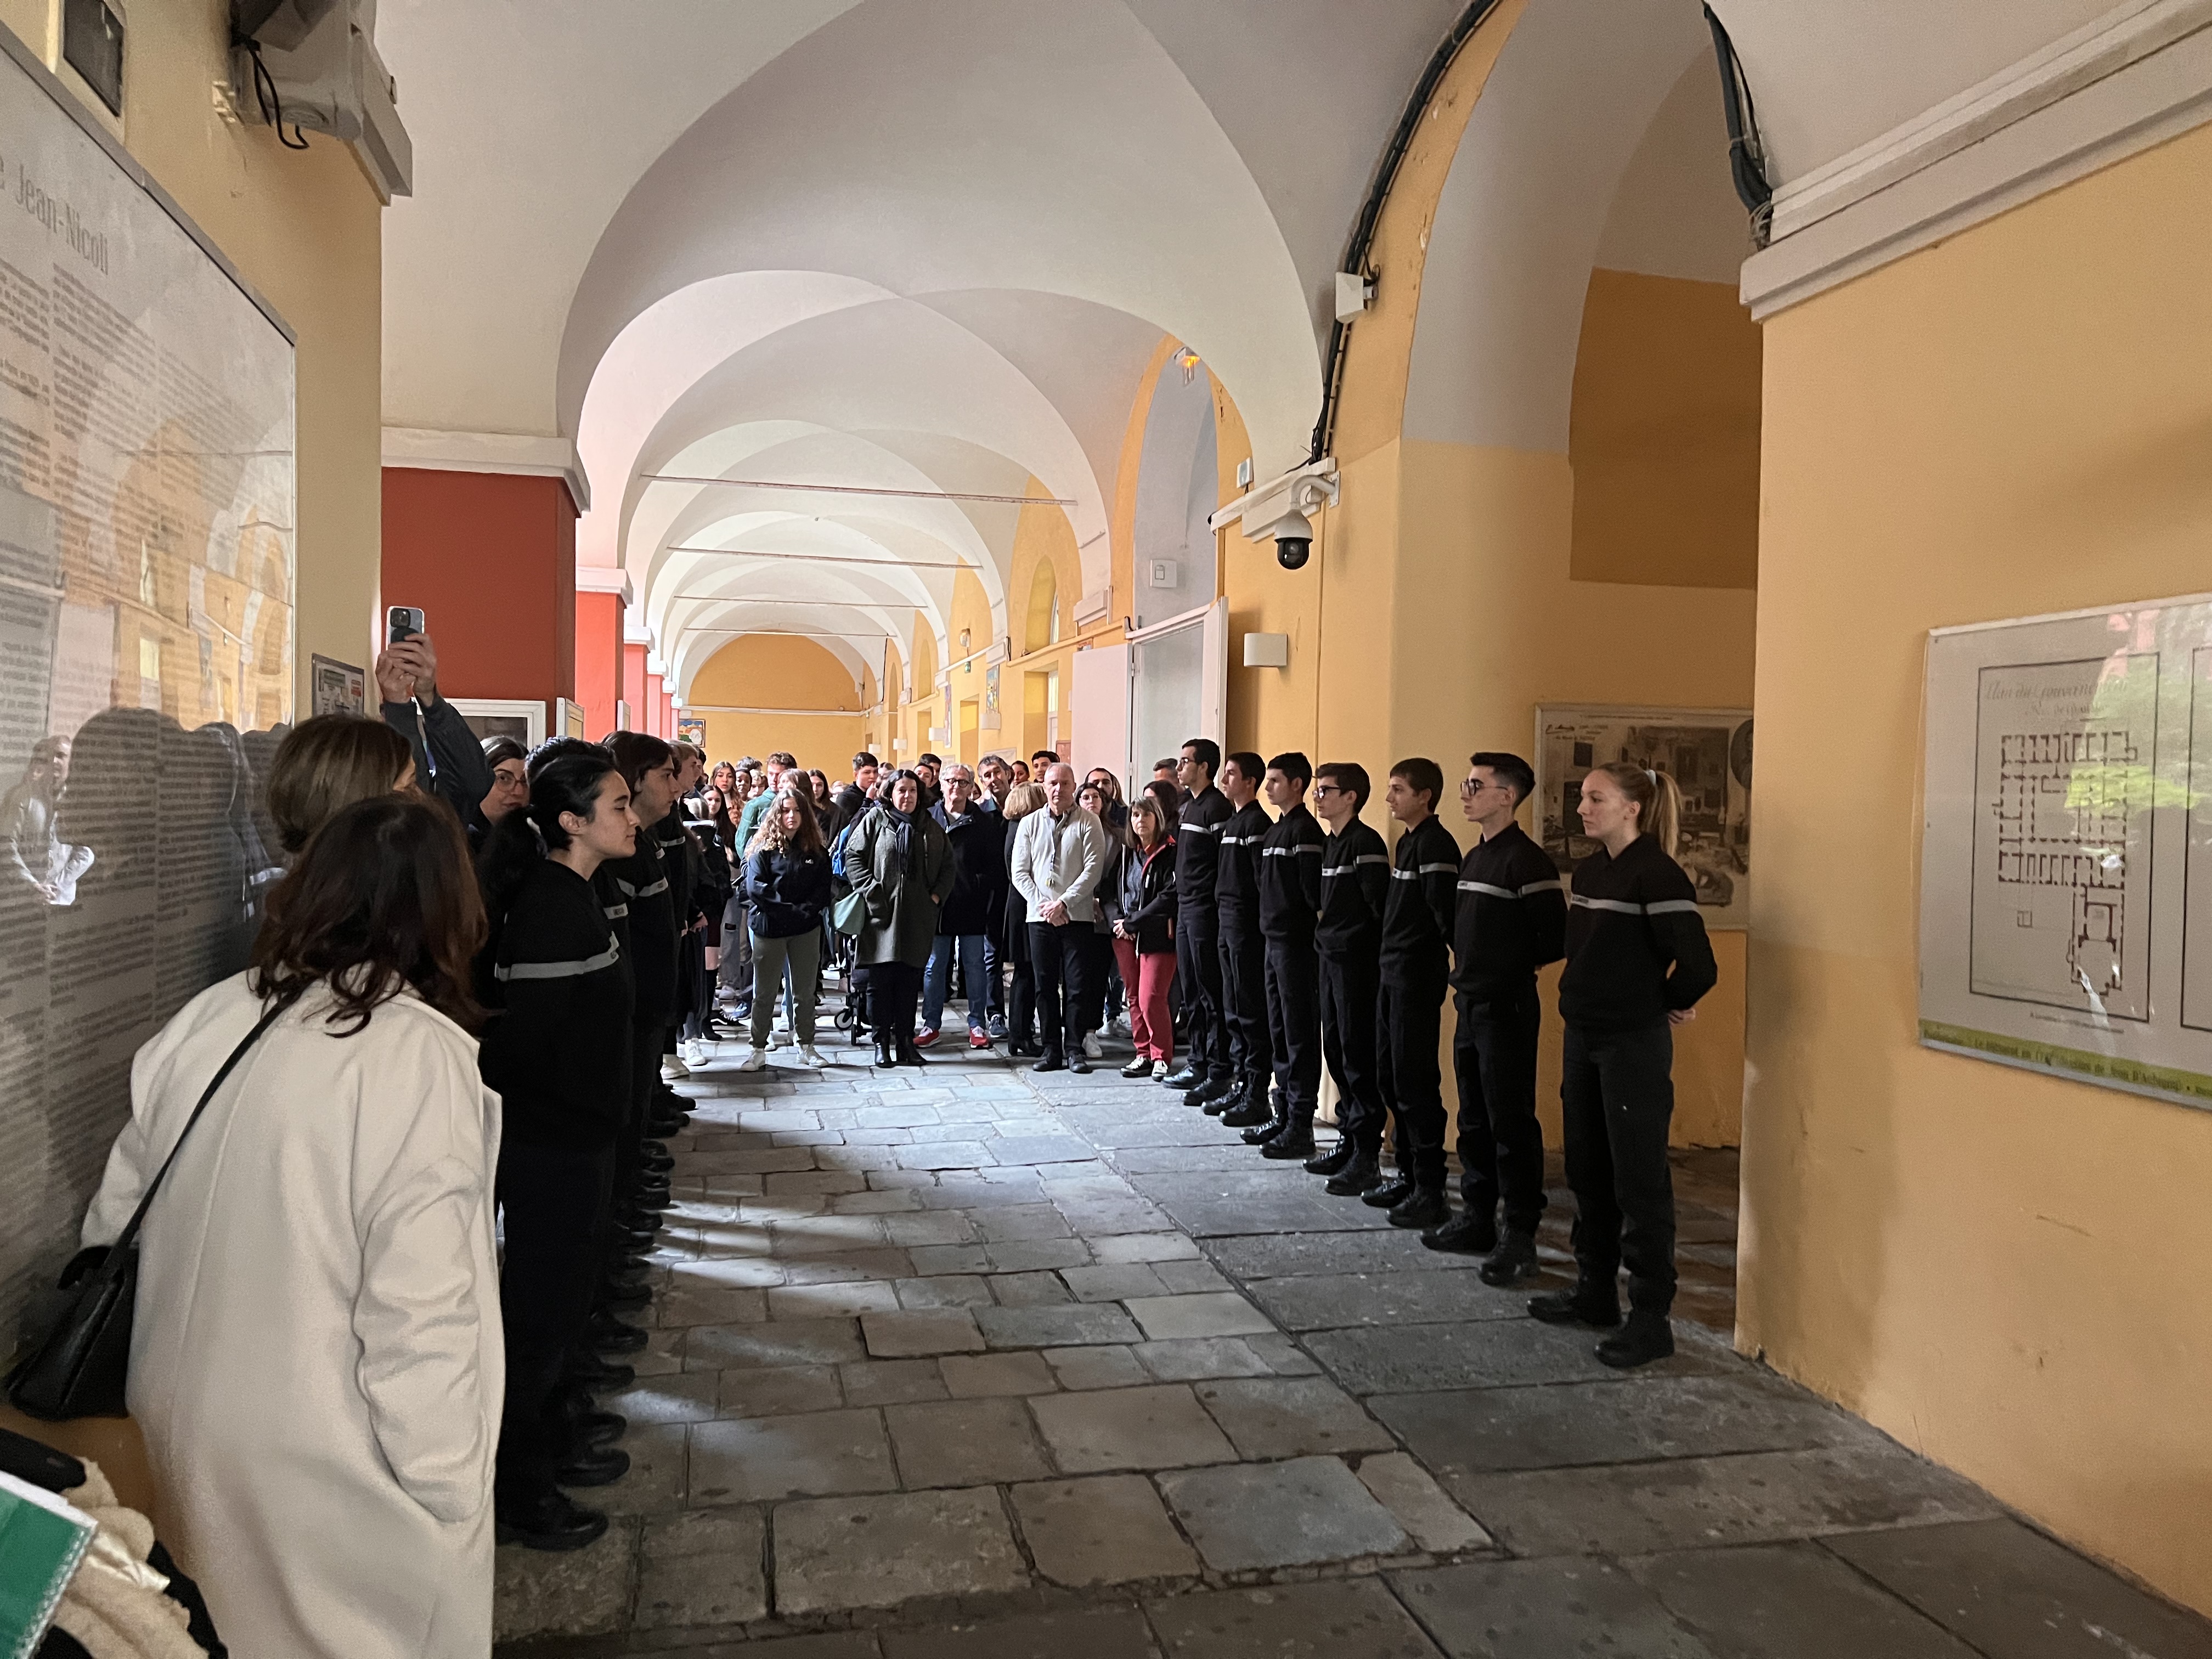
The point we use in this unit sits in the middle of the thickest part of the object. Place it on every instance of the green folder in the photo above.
(41, 1541)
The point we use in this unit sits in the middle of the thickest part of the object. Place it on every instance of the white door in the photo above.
(1100, 704)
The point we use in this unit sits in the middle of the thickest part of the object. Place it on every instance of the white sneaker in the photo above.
(1159, 1070)
(1091, 1048)
(810, 1055)
(693, 1051)
(755, 1060)
(672, 1068)
(779, 1039)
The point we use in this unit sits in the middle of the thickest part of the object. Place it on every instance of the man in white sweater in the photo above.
(1060, 854)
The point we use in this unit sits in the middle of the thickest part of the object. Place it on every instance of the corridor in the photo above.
(969, 1361)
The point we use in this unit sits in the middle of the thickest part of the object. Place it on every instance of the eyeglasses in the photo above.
(1475, 786)
(1320, 789)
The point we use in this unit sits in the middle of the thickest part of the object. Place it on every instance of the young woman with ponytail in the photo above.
(1637, 961)
(559, 1053)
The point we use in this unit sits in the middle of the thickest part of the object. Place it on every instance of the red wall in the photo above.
(598, 659)
(491, 558)
(640, 712)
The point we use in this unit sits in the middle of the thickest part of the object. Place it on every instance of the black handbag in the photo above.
(80, 1368)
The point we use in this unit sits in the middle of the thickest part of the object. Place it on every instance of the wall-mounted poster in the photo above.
(2066, 853)
(337, 688)
(692, 729)
(1708, 753)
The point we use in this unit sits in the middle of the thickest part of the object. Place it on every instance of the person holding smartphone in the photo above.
(449, 759)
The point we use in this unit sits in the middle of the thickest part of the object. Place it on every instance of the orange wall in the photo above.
(777, 671)
(598, 659)
(491, 559)
(633, 681)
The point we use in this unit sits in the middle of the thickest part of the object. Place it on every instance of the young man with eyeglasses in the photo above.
(1416, 930)
(1510, 920)
(1290, 904)
(1243, 951)
(1355, 887)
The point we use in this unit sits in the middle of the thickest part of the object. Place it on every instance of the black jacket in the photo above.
(1512, 915)
(850, 800)
(1417, 917)
(1144, 897)
(1631, 919)
(785, 893)
(1236, 875)
(559, 1053)
(1290, 877)
(979, 865)
(453, 768)
(1355, 887)
(1198, 847)
(641, 881)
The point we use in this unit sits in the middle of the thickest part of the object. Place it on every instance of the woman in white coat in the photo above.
(315, 1357)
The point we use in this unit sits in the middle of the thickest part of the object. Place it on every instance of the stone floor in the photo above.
(965, 1360)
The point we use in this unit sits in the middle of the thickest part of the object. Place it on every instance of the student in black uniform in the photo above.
(559, 1055)
(1637, 961)
(1204, 1074)
(643, 882)
(1290, 904)
(1243, 950)
(1512, 919)
(1416, 962)
(1355, 889)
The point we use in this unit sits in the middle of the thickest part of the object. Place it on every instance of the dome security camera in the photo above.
(1293, 537)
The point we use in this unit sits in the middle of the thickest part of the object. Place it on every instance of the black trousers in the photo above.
(1244, 1001)
(892, 990)
(994, 961)
(1618, 1094)
(1349, 991)
(647, 1044)
(555, 1200)
(1409, 1021)
(1293, 975)
(1061, 959)
(1198, 972)
(1501, 1145)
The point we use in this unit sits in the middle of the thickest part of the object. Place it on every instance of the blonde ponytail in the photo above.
(1658, 800)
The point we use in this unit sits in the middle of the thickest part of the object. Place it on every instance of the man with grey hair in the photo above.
(979, 863)
(1060, 854)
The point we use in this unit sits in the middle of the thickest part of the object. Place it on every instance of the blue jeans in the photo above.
(937, 980)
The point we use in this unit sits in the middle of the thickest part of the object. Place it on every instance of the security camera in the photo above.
(1293, 534)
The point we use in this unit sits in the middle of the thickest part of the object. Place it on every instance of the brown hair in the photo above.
(329, 762)
(1657, 799)
(1022, 797)
(381, 901)
(772, 837)
(1148, 804)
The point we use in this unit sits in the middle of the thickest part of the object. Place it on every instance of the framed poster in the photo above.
(337, 688)
(692, 729)
(522, 719)
(1708, 753)
(2066, 846)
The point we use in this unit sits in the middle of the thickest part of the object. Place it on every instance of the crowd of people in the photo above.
(488, 1007)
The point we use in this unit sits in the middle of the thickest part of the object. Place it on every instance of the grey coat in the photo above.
(902, 904)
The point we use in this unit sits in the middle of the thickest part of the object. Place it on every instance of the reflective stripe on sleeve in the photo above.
(1439, 869)
(1494, 892)
(1543, 887)
(1370, 858)
(1620, 905)
(1670, 907)
(607, 958)
(1199, 829)
(614, 912)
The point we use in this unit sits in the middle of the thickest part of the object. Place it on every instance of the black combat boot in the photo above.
(1360, 1175)
(1295, 1138)
(1471, 1232)
(1646, 1337)
(1513, 1262)
(1596, 1305)
(1333, 1161)
(1254, 1109)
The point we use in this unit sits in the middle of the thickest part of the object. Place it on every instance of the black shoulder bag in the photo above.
(80, 1368)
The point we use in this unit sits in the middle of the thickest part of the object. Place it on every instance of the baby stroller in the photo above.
(840, 950)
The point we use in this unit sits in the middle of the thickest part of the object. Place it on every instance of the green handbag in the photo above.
(849, 915)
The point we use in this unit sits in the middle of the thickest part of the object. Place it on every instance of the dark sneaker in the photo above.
(1390, 1194)
(1139, 1066)
(1465, 1234)
(551, 1522)
(1646, 1337)
(1427, 1206)
(1600, 1308)
(1513, 1262)
(602, 1467)
(1358, 1176)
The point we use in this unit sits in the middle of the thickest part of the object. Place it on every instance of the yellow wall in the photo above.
(2004, 1270)
(779, 671)
(1664, 433)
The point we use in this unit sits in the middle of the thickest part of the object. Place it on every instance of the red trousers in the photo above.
(1146, 977)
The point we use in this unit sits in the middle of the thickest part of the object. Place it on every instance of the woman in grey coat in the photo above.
(899, 861)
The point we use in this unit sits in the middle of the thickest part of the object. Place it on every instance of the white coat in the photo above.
(1060, 860)
(315, 1357)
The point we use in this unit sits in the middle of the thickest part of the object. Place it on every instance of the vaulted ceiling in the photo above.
(897, 257)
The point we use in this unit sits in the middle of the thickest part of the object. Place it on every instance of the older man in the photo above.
(1060, 854)
(979, 862)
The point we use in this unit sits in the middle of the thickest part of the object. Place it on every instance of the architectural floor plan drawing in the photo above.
(2061, 890)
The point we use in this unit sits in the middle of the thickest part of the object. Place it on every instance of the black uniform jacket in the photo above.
(1417, 919)
(1512, 915)
(1629, 921)
(1355, 887)
(1237, 874)
(641, 881)
(1198, 849)
(1290, 876)
(559, 1055)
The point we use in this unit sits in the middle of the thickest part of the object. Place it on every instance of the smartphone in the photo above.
(403, 622)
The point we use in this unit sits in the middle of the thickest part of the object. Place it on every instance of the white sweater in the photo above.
(1059, 858)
